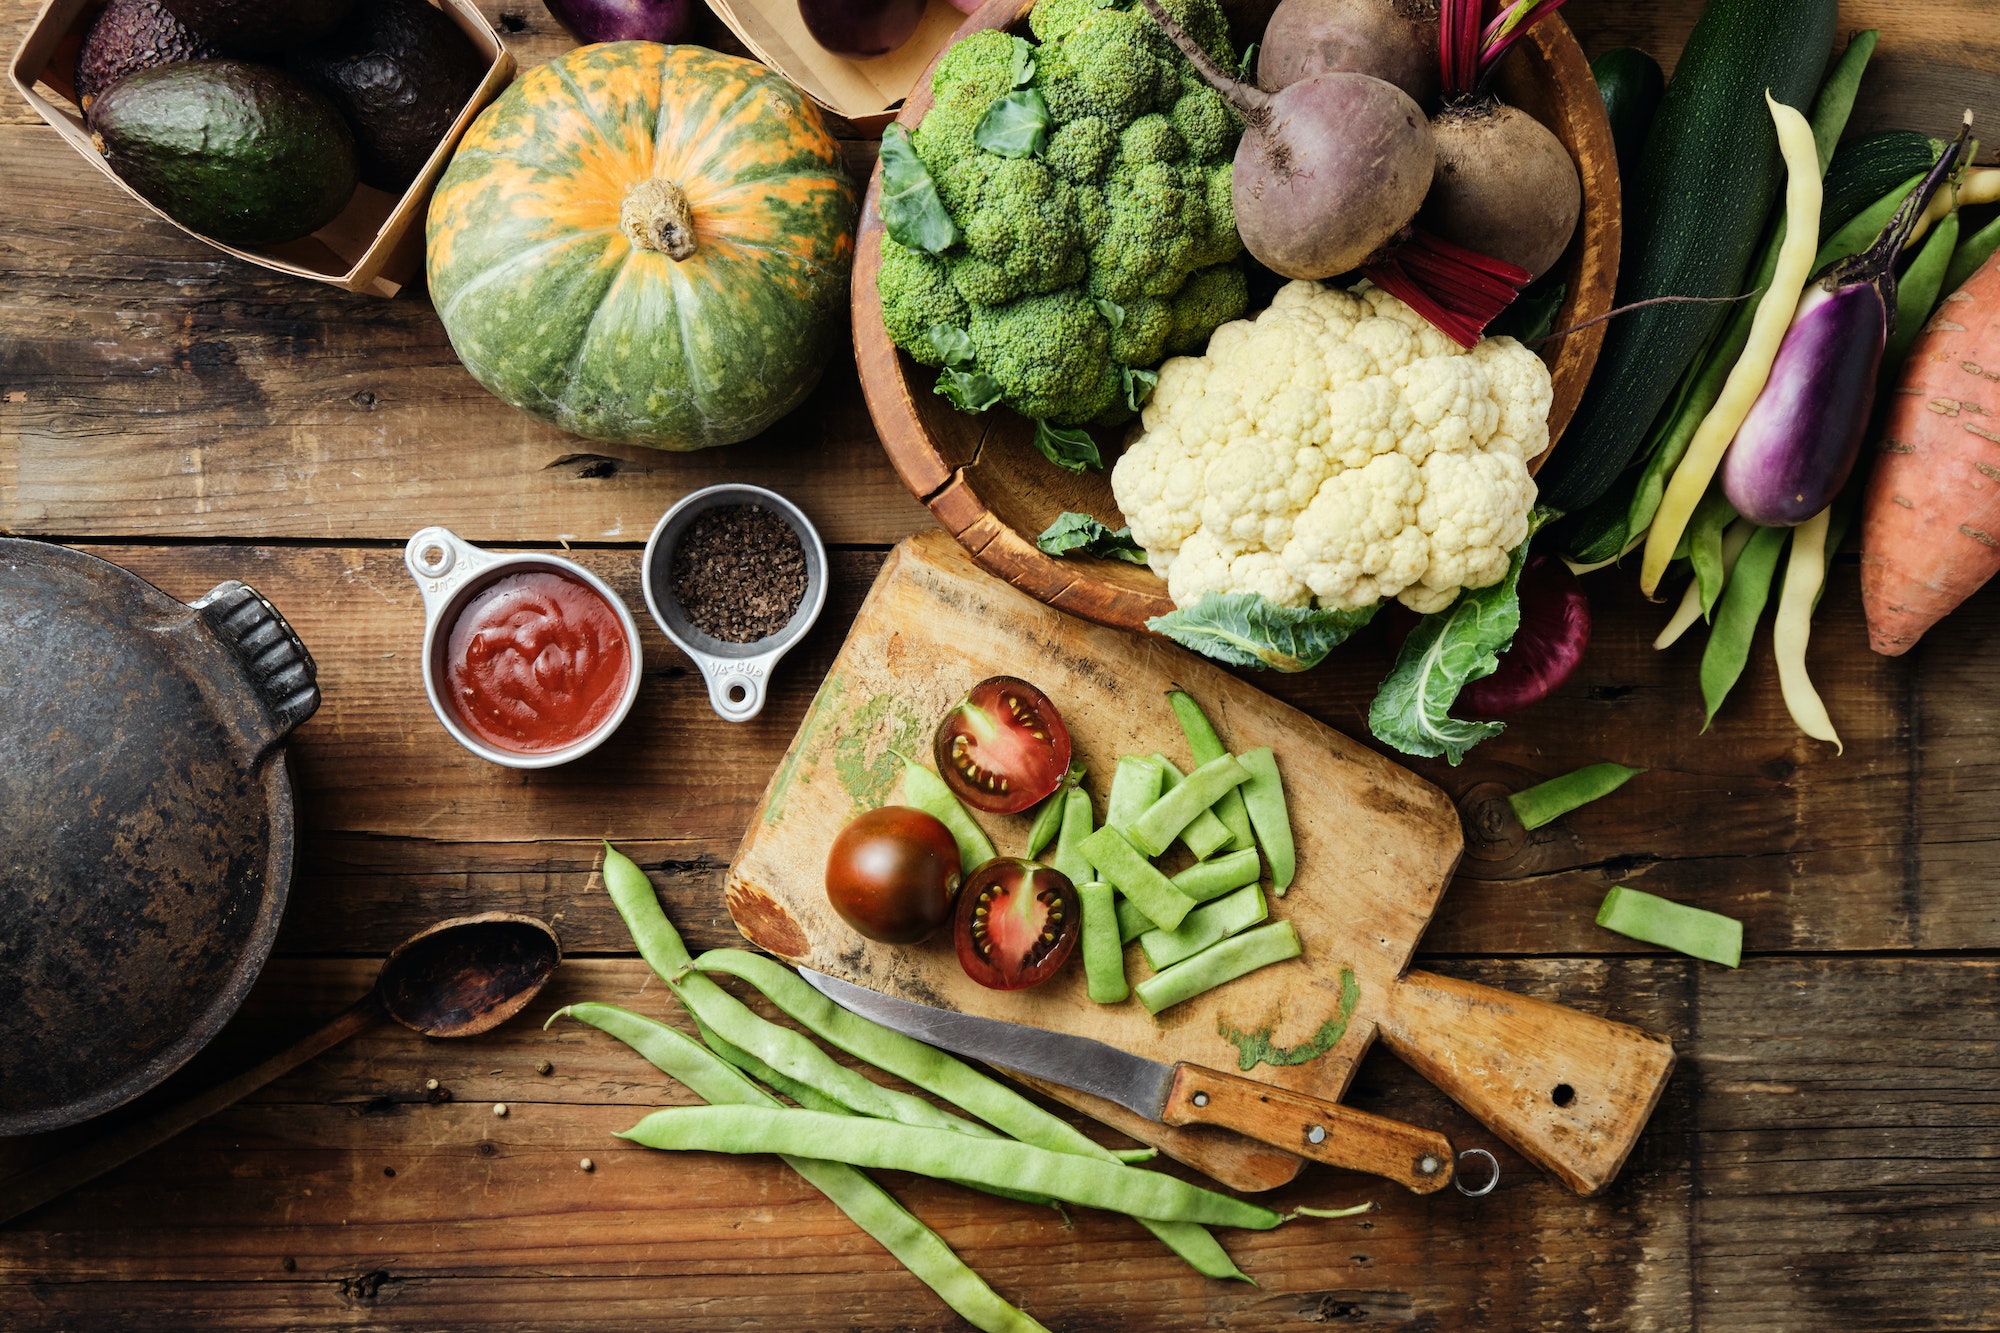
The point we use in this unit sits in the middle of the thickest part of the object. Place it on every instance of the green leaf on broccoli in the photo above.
(1073, 533)
(953, 345)
(1024, 62)
(1247, 629)
(911, 211)
(1247, 71)
(1448, 650)
(1016, 125)
(1114, 314)
(968, 390)
(1068, 447)
(1139, 386)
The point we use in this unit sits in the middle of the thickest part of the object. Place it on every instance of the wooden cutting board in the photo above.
(1376, 846)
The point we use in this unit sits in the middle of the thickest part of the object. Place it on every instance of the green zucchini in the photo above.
(1630, 82)
(1703, 190)
(1865, 169)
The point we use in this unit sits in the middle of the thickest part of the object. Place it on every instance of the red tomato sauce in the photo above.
(536, 661)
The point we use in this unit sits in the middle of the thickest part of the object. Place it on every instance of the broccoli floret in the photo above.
(917, 293)
(1141, 337)
(1023, 232)
(1081, 151)
(1109, 64)
(1206, 124)
(1211, 298)
(1151, 138)
(1159, 219)
(1050, 355)
(969, 77)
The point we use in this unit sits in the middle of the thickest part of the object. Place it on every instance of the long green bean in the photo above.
(1103, 953)
(1205, 880)
(1206, 925)
(943, 1155)
(1120, 863)
(1207, 747)
(1234, 957)
(1973, 251)
(1205, 834)
(946, 1076)
(926, 791)
(1155, 831)
(1711, 519)
(1076, 826)
(1264, 798)
(867, 1204)
(1917, 291)
(1742, 605)
(1548, 801)
(1048, 821)
(1132, 923)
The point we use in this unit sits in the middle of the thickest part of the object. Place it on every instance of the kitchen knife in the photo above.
(1178, 1094)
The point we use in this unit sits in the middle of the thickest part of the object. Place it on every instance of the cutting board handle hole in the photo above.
(1563, 1094)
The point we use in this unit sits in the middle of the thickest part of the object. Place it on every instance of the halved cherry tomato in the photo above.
(1002, 747)
(1017, 923)
(892, 874)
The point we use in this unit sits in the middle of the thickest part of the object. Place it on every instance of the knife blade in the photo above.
(1176, 1094)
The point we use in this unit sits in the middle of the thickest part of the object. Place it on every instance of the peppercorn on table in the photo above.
(1822, 1153)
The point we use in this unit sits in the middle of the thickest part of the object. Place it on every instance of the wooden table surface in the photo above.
(1828, 1150)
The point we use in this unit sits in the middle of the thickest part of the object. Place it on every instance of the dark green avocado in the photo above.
(261, 27)
(242, 153)
(400, 71)
(131, 35)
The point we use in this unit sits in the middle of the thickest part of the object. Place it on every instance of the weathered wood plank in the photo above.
(1879, 848)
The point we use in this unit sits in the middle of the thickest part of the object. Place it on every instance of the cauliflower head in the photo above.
(1336, 451)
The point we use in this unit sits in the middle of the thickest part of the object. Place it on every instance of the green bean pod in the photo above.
(943, 1155)
(1155, 831)
(1205, 834)
(1207, 747)
(1120, 863)
(1548, 801)
(946, 1076)
(1076, 826)
(1205, 880)
(1709, 936)
(1135, 784)
(1224, 962)
(1264, 798)
(1918, 290)
(1206, 925)
(926, 791)
(1048, 821)
(1736, 617)
(1103, 953)
(1973, 251)
(914, 1245)
(1132, 923)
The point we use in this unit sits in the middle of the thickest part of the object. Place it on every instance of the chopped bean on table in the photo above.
(1121, 864)
(1155, 831)
(1547, 801)
(1205, 834)
(1206, 746)
(1135, 785)
(1207, 925)
(1224, 962)
(1205, 880)
(1076, 826)
(1103, 952)
(1264, 798)
(1690, 930)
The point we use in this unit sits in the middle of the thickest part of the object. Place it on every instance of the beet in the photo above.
(1393, 40)
(1329, 170)
(1505, 185)
(625, 20)
(1555, 630)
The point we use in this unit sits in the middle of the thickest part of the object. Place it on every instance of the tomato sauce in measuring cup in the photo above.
(536, 661)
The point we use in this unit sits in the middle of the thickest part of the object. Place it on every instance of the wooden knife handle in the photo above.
(1569, 1090)
(1323, 1131)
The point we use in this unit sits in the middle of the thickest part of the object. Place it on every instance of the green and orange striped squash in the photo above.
(645, 244)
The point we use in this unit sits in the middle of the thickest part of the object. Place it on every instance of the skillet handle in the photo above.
(279, 667)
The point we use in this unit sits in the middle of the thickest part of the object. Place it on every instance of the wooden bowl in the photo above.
(988, 486)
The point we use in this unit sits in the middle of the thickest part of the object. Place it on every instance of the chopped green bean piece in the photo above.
(1119, 862)
(1548, 801)
(1103, 953)
(871, 1208)
(1076, 826)
(1264, 798)
(943, 1155)
(1232, 958)
(1211, 879)
(1155, 831)
(1671, 925)
(1206, 746)
(926, 791)
(1134, 786)
(1132, 923)
(1206, 925)
(1048, 821)
(1205, 834)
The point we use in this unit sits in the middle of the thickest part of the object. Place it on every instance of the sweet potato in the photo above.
(1930, 528)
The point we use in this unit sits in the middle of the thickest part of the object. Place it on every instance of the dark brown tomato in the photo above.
(1017, 923)
(1003, 747)
(892, 874)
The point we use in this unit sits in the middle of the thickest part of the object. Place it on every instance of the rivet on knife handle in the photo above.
(1323, 1131)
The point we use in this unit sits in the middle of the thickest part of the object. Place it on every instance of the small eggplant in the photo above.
(1799, 442)
(625, 20)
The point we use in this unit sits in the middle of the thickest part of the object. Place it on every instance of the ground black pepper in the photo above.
(739, 573)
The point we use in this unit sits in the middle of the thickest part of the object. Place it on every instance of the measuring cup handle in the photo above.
(736, 686)
(440, 560)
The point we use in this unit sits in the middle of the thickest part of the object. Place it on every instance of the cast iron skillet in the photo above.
(146, 824)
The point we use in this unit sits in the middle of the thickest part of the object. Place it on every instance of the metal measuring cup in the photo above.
(737, 673)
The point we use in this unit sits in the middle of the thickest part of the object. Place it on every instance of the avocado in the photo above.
(131, 35)
(242, 153)
(400, 71)
(261, 27)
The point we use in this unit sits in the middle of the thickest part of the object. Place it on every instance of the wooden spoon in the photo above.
(458, 978)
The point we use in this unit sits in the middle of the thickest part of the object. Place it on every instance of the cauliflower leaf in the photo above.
(1247, 630)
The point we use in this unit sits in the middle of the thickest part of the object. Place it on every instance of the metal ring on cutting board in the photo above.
(1458, 1180)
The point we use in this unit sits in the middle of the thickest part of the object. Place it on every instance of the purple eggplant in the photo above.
(625, 20)
(861, 29)
(1799, 442)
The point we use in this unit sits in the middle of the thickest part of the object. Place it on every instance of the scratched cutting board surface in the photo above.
(1376, 844)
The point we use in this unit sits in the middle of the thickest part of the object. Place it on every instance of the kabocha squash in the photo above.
(645, 244)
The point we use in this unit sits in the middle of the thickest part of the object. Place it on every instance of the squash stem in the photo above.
(656, 216)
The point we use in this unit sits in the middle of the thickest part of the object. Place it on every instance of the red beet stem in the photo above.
(1458, 45)
(1490, 50)
(1458, 290)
